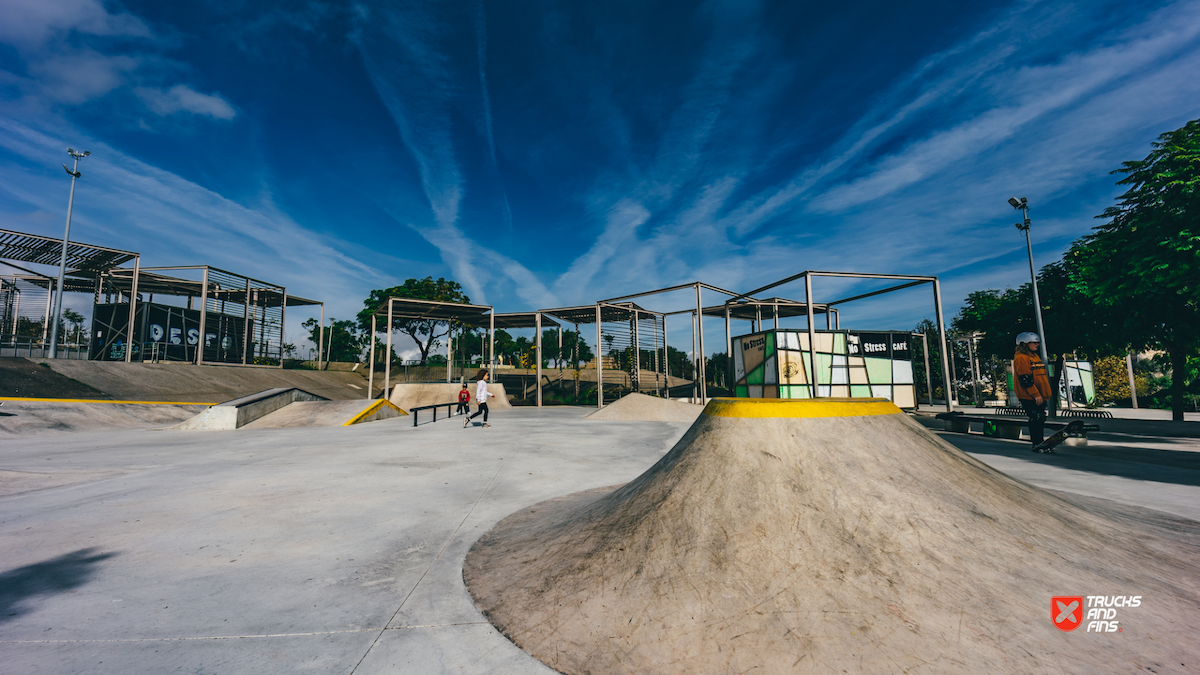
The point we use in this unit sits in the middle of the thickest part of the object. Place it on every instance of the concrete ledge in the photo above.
(241, 411)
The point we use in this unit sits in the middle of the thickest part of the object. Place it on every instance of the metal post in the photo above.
(695, 388)
(492, 344)
(371, 364)
(1037, 303)
(282, 315)
(537, 326)
(812, 335)
(928, 377)
(666, 357)
(1132, 384)
(203, 317)
(62, 263)
(700, 343)
(387, 367)
(246, 323)
(937, 300)
(599, 364)
(636, 365)
(775, 316)
(575, 362)
(321, 338)
(731, 384)
(974, 370)
(449, 352)
(133, 298)
(49, 313)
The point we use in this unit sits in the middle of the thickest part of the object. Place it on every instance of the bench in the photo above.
(1006, 427)
(434, 408)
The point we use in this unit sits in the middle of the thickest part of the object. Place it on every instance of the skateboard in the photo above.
(1059, 436)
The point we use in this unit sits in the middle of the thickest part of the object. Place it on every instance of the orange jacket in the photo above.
(1029, 377)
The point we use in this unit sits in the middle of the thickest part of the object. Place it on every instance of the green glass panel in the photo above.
(839, 343)
(796, 391)
(742, 392)
(1089, 384)
(755, 376)
(861, 390)
(879, 371)
(770, 346)
(824, 367)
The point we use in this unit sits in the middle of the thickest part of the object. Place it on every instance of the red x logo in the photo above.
(1066, 612)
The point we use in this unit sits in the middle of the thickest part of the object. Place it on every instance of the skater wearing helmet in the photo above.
(1031, 383)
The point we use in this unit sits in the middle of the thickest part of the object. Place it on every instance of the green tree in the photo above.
(1144, 263)
(343, 342)
(426, 333)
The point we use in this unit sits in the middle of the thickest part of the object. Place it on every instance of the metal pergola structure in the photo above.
(407, 308)
(909, 281)
(82, 260)
(744, 306)
(215, 287)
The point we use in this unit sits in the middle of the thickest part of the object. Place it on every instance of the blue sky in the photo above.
(555, 153)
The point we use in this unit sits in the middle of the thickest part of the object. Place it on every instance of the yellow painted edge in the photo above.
(800, 408)
(100, 400)
(372, 408)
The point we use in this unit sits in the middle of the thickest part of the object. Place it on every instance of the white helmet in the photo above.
(1027, 337)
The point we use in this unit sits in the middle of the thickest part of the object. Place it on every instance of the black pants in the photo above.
(1037, 419)
(463, 408)
(483, 409)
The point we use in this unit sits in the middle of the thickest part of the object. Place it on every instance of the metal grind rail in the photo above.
(434, 408)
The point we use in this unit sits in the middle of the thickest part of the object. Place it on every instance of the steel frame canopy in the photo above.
(697, 331)
(41, 250)
(433, 310)
(909, 282)
(151, 280)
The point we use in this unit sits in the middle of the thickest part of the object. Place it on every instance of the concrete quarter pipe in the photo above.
(828, 536)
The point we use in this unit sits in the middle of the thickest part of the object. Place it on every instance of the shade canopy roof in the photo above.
(156, 283)
(750, 310)
(409, 308)
(34, 248)
(523, 320)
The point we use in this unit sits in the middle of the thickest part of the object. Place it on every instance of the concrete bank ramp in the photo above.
(409, 396)
(643, 408)
(327, 414)
(239, 412)
(187, 383)
(30, 418)
(829, 536)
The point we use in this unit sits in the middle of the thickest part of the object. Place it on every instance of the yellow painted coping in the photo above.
(800, 408)
(100, 400)
(371, 409)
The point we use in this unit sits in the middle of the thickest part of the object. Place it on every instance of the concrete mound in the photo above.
(642, 408)
(826, 537)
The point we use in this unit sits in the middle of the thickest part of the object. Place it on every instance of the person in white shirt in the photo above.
(481, 397)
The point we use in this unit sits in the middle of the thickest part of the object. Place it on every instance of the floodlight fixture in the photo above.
(1015, 204)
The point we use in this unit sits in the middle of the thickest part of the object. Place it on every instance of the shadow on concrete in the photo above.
(1162, 466)
(56, 575)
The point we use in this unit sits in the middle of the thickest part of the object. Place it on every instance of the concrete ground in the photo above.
(340, 550)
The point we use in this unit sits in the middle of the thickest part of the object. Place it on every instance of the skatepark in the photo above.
(135, 547)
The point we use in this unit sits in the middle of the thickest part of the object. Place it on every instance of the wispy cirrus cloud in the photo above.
(125, 203)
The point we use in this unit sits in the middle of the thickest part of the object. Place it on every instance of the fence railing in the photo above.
(31, 348)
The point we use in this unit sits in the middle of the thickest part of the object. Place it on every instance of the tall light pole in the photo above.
(62, 263)
(1022, 205)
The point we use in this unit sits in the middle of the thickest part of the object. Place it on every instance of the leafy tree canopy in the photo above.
(1145, 261)
(424, 332)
